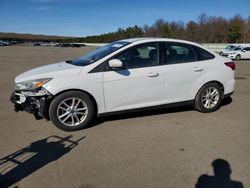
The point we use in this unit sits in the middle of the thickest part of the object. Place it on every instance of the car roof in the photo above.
(240, 44)
(244, 45)
(156, 39)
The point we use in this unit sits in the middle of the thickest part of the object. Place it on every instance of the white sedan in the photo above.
(238, 52)
(125, 75)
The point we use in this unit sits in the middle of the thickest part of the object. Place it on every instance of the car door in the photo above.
(138, 84)
(245, 54)
(182, 71)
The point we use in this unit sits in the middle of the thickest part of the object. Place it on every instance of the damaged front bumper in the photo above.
(35, 102)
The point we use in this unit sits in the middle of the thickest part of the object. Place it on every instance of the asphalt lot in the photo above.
(168, 148)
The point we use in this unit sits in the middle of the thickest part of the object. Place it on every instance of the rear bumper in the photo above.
(229, 86)
(31, 102)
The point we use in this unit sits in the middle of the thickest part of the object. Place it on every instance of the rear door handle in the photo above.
(198, 69)
(153, 74)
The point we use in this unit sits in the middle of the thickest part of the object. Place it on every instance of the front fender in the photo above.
(91, 83)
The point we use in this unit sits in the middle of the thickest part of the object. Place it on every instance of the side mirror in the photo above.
(115, 64)
(243, 50)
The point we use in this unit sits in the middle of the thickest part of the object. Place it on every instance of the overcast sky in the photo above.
(91, 17)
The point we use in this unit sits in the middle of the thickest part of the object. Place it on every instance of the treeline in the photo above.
(31, 37)
(207, 29)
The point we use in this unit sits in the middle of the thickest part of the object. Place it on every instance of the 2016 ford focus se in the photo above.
(125, 75)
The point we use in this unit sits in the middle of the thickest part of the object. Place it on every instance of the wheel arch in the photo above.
(83, 91)
(197, 101)
(238, 55)
(213, 81)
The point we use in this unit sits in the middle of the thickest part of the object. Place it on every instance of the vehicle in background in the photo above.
(74, 45)
(45, 44)
(4, 43)
(241, 51)
(13, 42)
(228, 48)
(36, 44)
(125, 75)
(63, 44)
(7, 43)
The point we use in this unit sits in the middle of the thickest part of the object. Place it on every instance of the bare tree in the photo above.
(246, 34)
(192, 30)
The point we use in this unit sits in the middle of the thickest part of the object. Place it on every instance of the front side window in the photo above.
(247, 49)
(179, 53)
(144, 55)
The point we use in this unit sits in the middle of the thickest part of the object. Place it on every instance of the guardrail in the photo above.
(215, 46)
(94, 44)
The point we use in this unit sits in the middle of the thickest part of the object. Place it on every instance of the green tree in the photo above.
(162, 28)
(236, 28)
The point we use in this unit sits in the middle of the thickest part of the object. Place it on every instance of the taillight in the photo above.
(231, 65)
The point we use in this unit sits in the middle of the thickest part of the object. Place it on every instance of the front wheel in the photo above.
(208, 98)
(72, 110)
(238, 57)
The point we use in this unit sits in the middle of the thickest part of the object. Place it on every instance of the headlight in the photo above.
(31, 84)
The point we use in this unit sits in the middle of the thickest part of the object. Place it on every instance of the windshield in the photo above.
(98, 54)
(236, 48)
(229, 47)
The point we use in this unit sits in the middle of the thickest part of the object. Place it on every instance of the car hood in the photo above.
(49, 71)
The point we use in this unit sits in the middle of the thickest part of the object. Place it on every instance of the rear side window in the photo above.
(179, 53)
(203, 54)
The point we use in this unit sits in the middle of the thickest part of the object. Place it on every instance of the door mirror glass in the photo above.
(115, 64)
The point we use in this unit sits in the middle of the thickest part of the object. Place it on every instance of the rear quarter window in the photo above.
(203, 54)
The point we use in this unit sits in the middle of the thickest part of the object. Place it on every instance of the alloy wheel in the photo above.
(210, 97)
(72, 111)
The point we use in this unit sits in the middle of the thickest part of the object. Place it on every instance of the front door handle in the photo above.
(198, 69)
(153, 74)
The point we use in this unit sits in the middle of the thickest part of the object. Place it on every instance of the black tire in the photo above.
(61, 105)
(203, 96)
(238, 57)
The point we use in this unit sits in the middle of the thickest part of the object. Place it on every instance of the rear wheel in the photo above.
(208, 98)
(72, 110)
